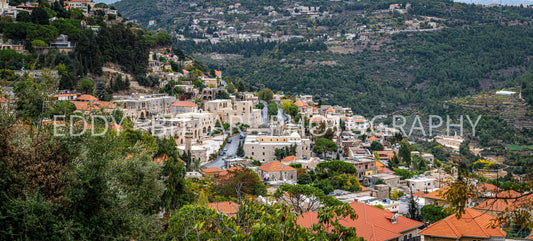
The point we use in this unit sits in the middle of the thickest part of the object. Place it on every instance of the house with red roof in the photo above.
(473, 225)
(436, 197)
(372, 223)
(504, 202)
(276, 171)
(212, 171)
(229, 208)
(180, 107)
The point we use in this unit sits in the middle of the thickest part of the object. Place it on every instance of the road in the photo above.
(232, 151)
(265, 112)
(282, 116)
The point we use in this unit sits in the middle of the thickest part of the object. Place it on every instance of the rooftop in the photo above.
(472, 224)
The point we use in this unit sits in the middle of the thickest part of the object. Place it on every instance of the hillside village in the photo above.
(226, 132)
(224, 129)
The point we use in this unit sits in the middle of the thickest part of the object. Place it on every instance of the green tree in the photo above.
(240, 150)
(24, 16)
(296, 196)
(272, 109)
(304, 179)
(86, 86)
(376, 146)
(403, 173)
(405, 153)
(432, 213)
(39, 16)
(30, 100)
(266, 94)
(324, 145)
(240, 182)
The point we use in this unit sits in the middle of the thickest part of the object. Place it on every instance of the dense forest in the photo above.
(415, 69)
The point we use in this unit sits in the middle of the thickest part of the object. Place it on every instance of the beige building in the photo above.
(263, 148)
(199, 124)
(246, 114)
(222, 108)
(145, 106)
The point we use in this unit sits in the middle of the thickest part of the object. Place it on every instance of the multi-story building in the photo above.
(364, 166)
(246, 114)
(263, 148)
(421, 183)
(222, 108)
(143, 106)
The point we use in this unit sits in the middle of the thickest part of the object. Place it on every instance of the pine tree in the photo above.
(240, 150)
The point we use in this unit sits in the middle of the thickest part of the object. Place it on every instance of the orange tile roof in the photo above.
(473, 223)
(218, 72)
(3, 100)
(48, 122)
(116, 126)
(487, 187)
(81, 122)
(105, 104)
(288, 159)
(185, 72)
(419, 194)
(359, 120)
(86, 98)
(300, 104)
(161, 159)
(275, 166)
(530, 237)
(212, 170)
(229, 208)
(438, 194)
(504, 205)
(345, 118)
(330, 109)
(372, 138)
(83, 105)
(180, 103)
(226, 172)
(64, 95)
(373, 224)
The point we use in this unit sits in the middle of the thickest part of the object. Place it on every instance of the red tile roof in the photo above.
(288, 159)
(212, 170)
(105, 104)
(161, 159)
(86, 98)
(487, 187)
(502, 205)
(438, 194)
(300, 104)
(81, 123)
(180, 103)
(275, 166)
(115, 126)
(373, 224)
(473, 223)
(226, 172)
(229, 208)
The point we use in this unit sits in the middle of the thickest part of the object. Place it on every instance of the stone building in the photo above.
(246, 114)
(263, 148)
(145, 106)
(276, 171)
(222, 108)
